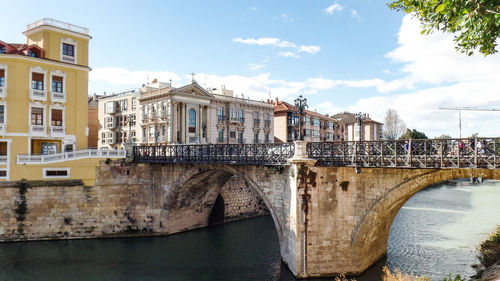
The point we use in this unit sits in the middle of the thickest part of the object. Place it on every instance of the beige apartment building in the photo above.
(371, 130)
(118, 119)
(161, 114)
(315, 126)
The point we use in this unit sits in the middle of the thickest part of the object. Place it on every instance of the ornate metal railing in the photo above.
(239, 154)
(431, 153)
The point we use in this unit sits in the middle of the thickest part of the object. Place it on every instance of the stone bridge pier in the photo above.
(329, 220)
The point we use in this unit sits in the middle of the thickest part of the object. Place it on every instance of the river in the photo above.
(434, 234)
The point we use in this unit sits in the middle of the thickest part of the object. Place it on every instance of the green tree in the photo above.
(476, 23)
(413, 134)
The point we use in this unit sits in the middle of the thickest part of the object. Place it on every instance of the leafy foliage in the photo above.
(475, 22)
(413, 134)
(489, 252)
(456, 278)
(387, 275)
(394, 126)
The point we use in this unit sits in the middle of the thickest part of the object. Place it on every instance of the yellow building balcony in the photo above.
(69, 59)
(57, 131)
(58, 97)
(73, 155)
(36, 94)
(38, 130)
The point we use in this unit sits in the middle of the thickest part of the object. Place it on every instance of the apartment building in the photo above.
(192, 114)
(350, 126)
(43, 104)
(315, 126)
(118, 119)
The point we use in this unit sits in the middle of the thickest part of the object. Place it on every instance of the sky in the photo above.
(356, 56)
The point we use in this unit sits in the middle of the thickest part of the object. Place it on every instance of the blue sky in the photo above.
(342, 55)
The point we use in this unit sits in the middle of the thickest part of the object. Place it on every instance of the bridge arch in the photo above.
(370, 236)
(192, 195)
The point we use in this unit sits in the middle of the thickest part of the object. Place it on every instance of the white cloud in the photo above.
(276, 42)
(288, 55)
(255, 66)
(286, 18)
(309, 49)
(355, 15)
(116, 75)
(266, 41)
(335, 7)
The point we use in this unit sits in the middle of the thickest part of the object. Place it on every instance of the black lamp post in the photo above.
(301, 104)
(204, 130)
(359, 118)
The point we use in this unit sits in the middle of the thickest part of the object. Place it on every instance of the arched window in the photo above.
(192, 121)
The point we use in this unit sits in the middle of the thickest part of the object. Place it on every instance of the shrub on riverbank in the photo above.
(399, 276)
(489, 252)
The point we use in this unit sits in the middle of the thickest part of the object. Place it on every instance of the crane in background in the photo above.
(471, 108)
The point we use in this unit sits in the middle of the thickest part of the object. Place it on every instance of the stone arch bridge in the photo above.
(332, 203)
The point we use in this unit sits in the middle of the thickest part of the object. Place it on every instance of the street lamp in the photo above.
(301, 104)
(359, 118)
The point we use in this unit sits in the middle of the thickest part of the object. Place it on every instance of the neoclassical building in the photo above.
(190, 114)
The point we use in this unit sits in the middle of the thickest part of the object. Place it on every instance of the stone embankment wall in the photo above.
(241, 201)
(38, 210)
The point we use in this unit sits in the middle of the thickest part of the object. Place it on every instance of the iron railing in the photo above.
(72, 155)
(431, 153)
(238, 154)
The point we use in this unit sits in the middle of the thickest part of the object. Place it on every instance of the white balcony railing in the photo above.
(60, 24)
(3, 159)
(73, 155)
(69, 59)
(38, 130)
(58, 97)
(3, 92)
(57, 131)
(3, 127)
(38, 94)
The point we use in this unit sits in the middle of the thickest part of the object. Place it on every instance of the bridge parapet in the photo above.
(236, 154)
(411, 153)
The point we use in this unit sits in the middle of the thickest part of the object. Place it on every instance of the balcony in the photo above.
(58, 97)
(73, 155)
(267, 123)
(162, 113)
(3, 92)
(68, 59)
(144, 140)
(256, 122)
(3, 128)
(36, 94)
(38, 130)
(57, 131)
(221, 118)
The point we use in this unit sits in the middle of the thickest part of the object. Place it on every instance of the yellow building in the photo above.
(43, 105)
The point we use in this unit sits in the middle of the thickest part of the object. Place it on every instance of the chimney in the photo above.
(154, 81)
(104, 93)
(94, 97)
(276, 101)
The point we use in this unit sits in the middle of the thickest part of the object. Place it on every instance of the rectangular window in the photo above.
(56, 173)
(57, 84)
(240, 137)
(330, 125)
(123, 104)
(2, 77)
(220, 113)
(103, 138)
(110, 107)
(134, 103)
(266, 138)
(256, 137)
(315, 121)
(2, 114)
(131, 119)
(37, 81)
(57, 117)
(232, 134)
(307, 120)
(315, 133)
(133, 136)
(108, 121)
(220, 137)
(2, 49)
(307, 132)
(241, 115)
(68, 50)
(36, 116)
(163, 130)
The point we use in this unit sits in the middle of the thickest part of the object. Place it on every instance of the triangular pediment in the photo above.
(193, 89)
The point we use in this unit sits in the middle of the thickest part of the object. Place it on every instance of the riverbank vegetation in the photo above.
(489, 253)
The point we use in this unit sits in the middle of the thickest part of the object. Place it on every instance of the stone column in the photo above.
(300, 197)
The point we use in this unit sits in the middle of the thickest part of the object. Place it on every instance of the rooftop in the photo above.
(58, 24)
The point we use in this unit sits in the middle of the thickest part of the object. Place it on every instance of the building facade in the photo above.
(315, 126)
(354, 130)
(118, 119)
(43, 103)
